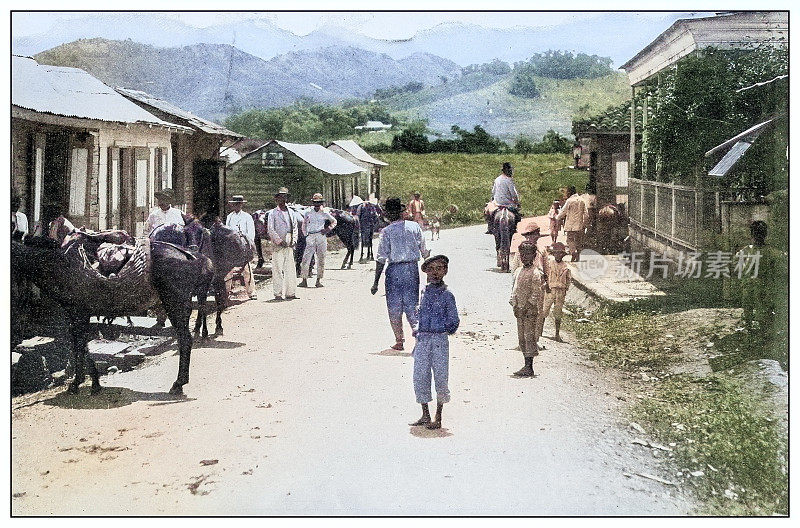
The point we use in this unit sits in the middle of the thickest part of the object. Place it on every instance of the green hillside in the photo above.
(466, 180)
(482, 99)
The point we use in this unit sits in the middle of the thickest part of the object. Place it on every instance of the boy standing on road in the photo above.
(558, 280)
(526, 297)
(438, 317)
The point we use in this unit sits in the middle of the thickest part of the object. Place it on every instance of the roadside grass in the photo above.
(713, 424)
(721, 430)
(465, 180)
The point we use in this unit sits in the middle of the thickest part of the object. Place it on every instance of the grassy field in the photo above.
(466, 180)
(484, 100)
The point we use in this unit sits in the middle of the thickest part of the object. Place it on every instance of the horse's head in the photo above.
(195, 234)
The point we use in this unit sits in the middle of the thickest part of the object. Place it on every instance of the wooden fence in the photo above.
(677, 214)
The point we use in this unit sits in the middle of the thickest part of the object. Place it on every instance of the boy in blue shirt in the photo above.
(438, 317)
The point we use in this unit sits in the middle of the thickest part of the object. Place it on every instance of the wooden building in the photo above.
(352, 151)
(304, 169)
(81, 149)
(664, 216)
(196, 162)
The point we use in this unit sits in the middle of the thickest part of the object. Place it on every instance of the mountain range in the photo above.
(216, 80)
(618, 35)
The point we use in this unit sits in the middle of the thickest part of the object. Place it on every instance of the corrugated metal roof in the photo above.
(72, 92)
(165, 106)
(320, 157)
(741, 142)
(730, 158)
(355, 150)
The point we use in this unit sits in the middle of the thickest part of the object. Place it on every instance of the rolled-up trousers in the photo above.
(316, 244)
(431, 356)
(284, 273)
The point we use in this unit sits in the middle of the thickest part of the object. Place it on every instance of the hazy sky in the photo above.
(385, 25)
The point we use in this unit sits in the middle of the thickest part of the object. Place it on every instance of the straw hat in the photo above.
(282, 190)
(355, 201)
(237, 198)
(166, 194)
(317, 197)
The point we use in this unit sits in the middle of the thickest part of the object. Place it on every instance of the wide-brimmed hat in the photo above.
(282, 190)
(558, 247)
(430, 260)
(166, 194)
(356, 201)
(373, 199)
(317, 197)
(237, 198)
(535, 231)
(394, 205)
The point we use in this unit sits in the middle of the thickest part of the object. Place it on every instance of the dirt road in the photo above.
(300, 409)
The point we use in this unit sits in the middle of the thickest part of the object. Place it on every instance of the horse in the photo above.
(611, 229)
(503, 225)
(156, 272)
(369, 215)
(347, 231)
(227, 249)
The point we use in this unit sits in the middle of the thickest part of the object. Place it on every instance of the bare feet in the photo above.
(425, 420)
(318, 284)
(397, 346)
(303, 284)
(434, 425)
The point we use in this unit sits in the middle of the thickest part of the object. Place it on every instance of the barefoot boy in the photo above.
(558, 278)
(526, 297)
(438, 317)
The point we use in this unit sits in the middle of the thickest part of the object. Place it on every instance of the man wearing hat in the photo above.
(504, 194)
(400, 248)
(283, 225)
(242, 221)
(575, 217)
(316, 239)
(164, 214)
(532, 235)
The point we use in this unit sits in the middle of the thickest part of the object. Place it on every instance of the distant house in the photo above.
(81, 149)
(240, 148)
(605, 142)
(351, 151)
(671, 217)
(374, 125)
(196, 163)
(304, 168)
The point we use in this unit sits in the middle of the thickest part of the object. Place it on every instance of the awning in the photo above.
(736, 146)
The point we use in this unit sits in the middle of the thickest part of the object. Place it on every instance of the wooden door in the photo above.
(141, 189)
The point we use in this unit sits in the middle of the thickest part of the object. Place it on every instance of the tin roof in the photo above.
(737, 146)
(72, 92)
(320, 157)
(194, 121)
(355, 150)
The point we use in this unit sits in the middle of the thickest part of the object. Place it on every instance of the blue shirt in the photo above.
(401, 241)
(437, 310)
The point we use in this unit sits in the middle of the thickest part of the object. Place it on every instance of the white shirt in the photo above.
(504, 192)
(314, 221)
(243, 222)
(20, 222)
(159, 217)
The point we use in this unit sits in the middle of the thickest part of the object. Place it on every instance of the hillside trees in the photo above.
(308, 122)
(523, 84)
(565, 65)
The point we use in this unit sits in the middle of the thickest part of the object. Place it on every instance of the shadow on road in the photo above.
(391, 352)
(424, 432)
(110, 398)
(214, 343)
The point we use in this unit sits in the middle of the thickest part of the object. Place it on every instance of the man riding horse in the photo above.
(503, 213)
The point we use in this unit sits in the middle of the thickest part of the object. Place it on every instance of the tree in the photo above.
(523, 84)
(410, 140)
(523, 146)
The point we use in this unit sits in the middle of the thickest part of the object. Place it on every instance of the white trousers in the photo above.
(283, 271)
(316, 244)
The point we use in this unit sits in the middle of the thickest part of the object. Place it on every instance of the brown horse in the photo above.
(155, 272)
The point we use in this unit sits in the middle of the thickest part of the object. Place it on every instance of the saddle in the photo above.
(104, 251)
